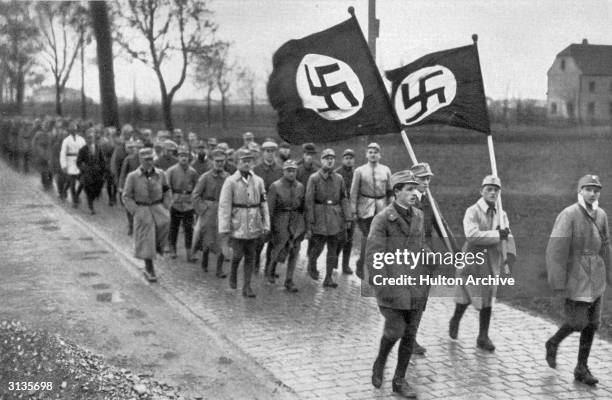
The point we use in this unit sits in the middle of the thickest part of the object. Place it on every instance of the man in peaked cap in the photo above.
(205, 198)
(200, 162)
(166, 160)
(580, 237)
(146, 196)
(243, 218)
(249, 142)
(182, 179)
(346, 170)
(284, 152)
(307, 165)
(286, 206)
(398, 227)
(327, 216)
(370, 193)
(483, 234)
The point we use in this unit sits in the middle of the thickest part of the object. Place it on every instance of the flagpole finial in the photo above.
(475, 38)
(351, 10)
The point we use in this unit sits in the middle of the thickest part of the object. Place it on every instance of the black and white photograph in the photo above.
(305, 199)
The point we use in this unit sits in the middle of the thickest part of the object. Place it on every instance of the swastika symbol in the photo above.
(423, 95)
(327, 91)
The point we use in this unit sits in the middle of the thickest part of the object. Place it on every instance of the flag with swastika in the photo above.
(327, 87)
(441, 88)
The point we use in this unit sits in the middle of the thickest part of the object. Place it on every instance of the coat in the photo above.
(327, 205)
(68, 153)
(481, 235)
(574, 259)
(205, 199)
(130, 163)
(286, 205)
(269, 173)
(119, 154)
(370, 190)
(41, 147)
(243, 209)
(147, 198)
(390, 232)
(181, 182)
(93, 170)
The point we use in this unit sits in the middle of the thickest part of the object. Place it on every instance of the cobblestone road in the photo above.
(321, 342)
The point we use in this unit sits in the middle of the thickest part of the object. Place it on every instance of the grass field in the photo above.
(539, 169)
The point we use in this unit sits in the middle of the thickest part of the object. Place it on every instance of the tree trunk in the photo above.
(108, 97)
(83, 98)
(252, 105)
(223, 117)
(58, 97)
(20, 89)
(208, 116)
(167, 111)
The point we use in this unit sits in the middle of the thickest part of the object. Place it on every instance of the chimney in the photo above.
(584, 41)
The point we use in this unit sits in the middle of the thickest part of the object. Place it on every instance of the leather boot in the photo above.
(552, 344)
(233, 280)
(379, 364)
(247, 291)
(312, 270)
(483, 342)
(149, 271)
(583, 374)
(204, 263)
(190, 257)
(453, 326)
(290, 287)
(220, 274)
(329, 282)
(403, 389)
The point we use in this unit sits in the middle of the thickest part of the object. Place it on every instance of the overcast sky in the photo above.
(518, 39)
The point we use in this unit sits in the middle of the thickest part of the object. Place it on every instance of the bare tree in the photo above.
(106, 74)
(248, 84)
(224, 71)
(205, 76)
(174, 31)
(18, 48)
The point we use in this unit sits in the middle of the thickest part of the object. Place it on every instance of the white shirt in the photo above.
(68, 154)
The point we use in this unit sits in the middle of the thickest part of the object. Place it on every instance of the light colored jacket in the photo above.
(243, 209)
(573, 256)
(370, 190)
(68, 153)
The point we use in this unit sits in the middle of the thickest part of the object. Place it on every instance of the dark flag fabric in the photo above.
(441, 88)
(326, 87)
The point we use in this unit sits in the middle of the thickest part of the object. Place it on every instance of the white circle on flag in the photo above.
(328, 86)
(423, 92)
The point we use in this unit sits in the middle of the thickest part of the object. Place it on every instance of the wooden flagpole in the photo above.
(500, 210)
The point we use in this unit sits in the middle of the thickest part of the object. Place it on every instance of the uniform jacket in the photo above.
(92, 167)
(347, 175)
(181, 182)
(119, 154)
(243, 209)
(68, 153)
(130, 163)
(304, 172)
(327, 205)
(200, 165)
(430, 224)
(269, 173)
(41, 147)
(286, 205)
(166, 161)
(390, 232)
(205, 198)
(574, 260)
(370, 190)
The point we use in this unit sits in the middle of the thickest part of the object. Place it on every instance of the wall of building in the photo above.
(563, 88)
(596, 99)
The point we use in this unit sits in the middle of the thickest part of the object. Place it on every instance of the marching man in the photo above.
(243, 218)
(146, 196)
(483, 234)
(578, 264)
(68, 160)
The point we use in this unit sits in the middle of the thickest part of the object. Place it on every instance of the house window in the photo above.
(562, 65)
(591, 109)
(591, 86)
(553, 108)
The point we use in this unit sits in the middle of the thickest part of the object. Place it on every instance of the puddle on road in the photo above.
(100, 286)
(109, 297)
(88, 274)
(133, 313)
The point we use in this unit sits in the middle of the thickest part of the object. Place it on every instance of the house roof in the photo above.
(592, 59)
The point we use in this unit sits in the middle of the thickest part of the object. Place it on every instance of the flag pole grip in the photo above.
(434, 205)
(500, 210)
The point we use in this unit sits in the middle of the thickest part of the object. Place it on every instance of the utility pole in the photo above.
(373, 27)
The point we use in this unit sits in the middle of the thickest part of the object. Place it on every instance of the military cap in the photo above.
(284, 145)
(201, 144)
(309, 148)
(290, 164)
(182, 149)
(242, 154)
(328, 153)
(223, 146)
(248, 135)
(218, 153)
(212, 141)
(421, 170)
(145, 152)
(170, 145)
(589, 180)
(375, 146)
(269, 144)
(348, 152)
(491, 180)
(127, 128)
(405, 176)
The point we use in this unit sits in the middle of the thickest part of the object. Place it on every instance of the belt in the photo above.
(72, 154)
(373, 197)
(589, 253)
(210, 199)
(141, 203)
(181, 191)
(326, 202)
(245, 205)
(290, 209)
